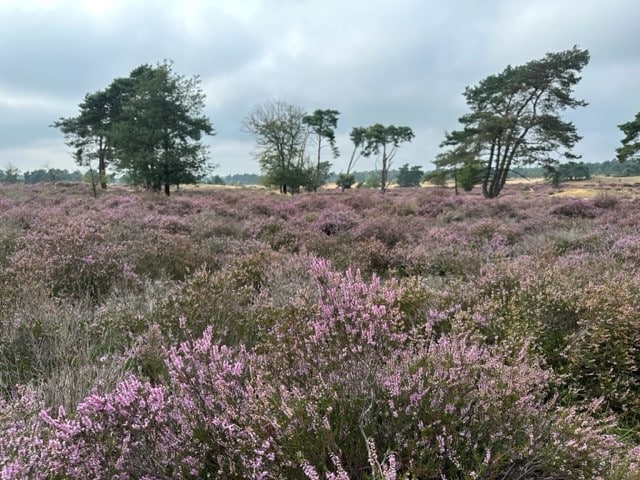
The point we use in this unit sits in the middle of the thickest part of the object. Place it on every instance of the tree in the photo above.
(157, 136)
(470, 175)
(436, 177)
(384, 141)
(515, 116)
(11, 173)
(149, 124)
(89, 134)
(281, 137)
(345, 181)
(570, 171)
(323, 124)
(459, 162)
(631, 142)
(409, 177)
(357, 135)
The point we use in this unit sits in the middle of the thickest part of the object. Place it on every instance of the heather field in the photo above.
(236, 333)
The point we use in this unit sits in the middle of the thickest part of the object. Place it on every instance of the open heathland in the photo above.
(238, 333)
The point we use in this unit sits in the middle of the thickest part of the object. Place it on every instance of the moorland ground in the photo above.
(236, 333)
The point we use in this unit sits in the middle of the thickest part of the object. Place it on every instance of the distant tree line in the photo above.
(405, 176)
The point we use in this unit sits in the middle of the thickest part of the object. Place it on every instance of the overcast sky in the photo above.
(402, 62)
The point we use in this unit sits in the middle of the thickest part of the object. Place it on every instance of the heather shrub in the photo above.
(333, 221)
(371, 256)
(602, 358)
(575, 209)
(158, 254)
(386, 229)
(627, 247)
(442, 252)
(226, 430)
(222, 300)
(279, 235)
(119, 434)
(458, 409)
(21, 452)
(605, 201)
(74, 258)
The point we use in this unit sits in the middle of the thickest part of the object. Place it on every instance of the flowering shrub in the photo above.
(576, 208)
(74, 258)
(345, 335)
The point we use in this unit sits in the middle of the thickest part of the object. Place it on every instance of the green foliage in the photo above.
(158, 135)
(383, 141)
(216, 180)
(10, 174)
(570, 171)
(323, 124)
(281, 135)
(89, 134)
(52, 175)
(515, 116)
(436, 177)
(470, 175)
(372, 181)
(149, 125)
(409, 177)
(630, 143)
(345, 181)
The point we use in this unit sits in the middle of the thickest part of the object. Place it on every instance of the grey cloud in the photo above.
(404, 62)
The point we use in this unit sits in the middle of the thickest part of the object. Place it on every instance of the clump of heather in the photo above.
(73, 258)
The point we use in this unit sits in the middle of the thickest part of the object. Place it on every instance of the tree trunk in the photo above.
(167, 191)
(384, 173)
(455, 179)
(317, 183)
(102, 163)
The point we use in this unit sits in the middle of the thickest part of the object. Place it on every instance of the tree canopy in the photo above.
(281, 132)
(323, 124)
(515, 117)
(88, 134)
(409, 177)
(383, 141)
(631, 142)
(149, 125)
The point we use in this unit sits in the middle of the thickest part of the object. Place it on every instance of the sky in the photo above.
(401, 62)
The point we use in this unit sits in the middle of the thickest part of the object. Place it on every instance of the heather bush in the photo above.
(221, 300)
(386, 229)
(279, 235)
(244, 334)
(73, 258)
(160, 254)
(333, 221)
(602, 358)
(576, 209)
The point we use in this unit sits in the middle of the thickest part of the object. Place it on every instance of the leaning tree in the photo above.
(515, 117)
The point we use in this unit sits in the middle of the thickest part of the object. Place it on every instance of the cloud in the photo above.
(405, 62)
